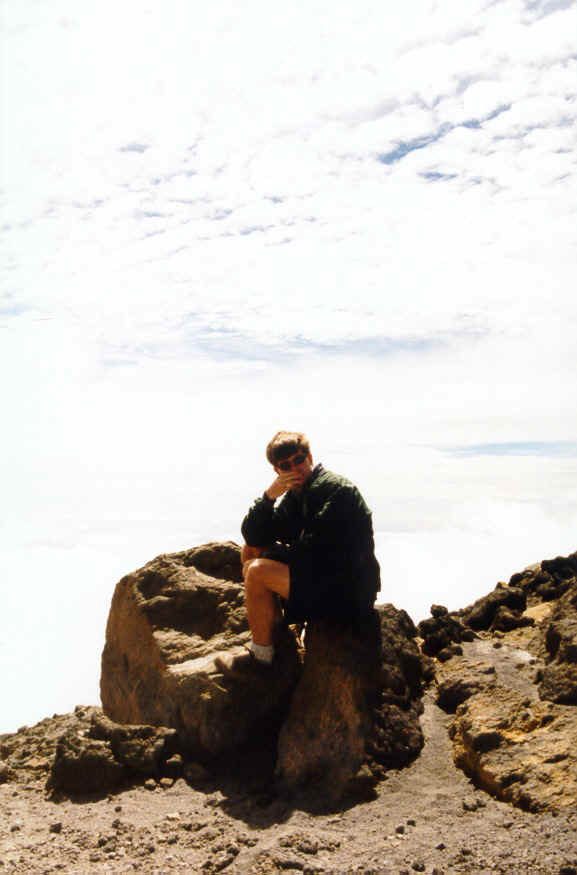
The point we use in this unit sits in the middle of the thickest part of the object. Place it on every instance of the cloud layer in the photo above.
(223, 220)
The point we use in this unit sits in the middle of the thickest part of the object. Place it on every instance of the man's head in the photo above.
(289, 451)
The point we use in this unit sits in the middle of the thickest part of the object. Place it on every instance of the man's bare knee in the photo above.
(254, 574)
(247, 552)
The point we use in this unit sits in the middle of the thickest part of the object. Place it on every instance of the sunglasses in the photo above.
(288, 464)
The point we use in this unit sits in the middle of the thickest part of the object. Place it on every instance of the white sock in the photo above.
(262, 652)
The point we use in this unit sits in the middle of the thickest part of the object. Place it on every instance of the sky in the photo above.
(223, 219)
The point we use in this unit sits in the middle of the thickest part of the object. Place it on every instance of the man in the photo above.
(315, 549)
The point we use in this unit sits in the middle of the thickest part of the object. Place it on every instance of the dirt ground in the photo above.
(425, 818)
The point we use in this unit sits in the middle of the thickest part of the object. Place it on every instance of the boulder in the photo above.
(441, 631)
(358, 701)
(519, 750)
(85, 766)
(549, 579)
(107, 755)
(171, 625)
(481, 614)
(559, 677)
(505, 620)
(458, 685)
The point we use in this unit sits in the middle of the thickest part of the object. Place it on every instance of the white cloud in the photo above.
(205, 241)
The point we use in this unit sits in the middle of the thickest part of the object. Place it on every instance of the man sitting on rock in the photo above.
(314, 549)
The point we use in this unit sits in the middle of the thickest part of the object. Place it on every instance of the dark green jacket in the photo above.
(325, 535)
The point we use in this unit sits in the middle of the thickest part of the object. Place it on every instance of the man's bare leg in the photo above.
(263, 578)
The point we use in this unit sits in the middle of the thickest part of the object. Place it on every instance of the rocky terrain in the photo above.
(454, 752)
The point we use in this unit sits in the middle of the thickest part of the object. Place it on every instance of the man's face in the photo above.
(298, 467)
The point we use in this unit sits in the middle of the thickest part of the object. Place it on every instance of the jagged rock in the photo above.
(520, 751)
(481, 614)
(505, 620)
(441, 630)
(29, 752)
(322, 743)
(170, 623)
(549, 579)
(6, 772)
(464, 681)
(106, 755)
(85, 766)
(447, 652)
(144, 750)
(358, 698)
(559, 678)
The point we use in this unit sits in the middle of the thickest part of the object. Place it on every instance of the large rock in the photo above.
(559, 677)
(481, 614)
(441, 631)
(519, 750)
(107, 755)
(463, 681)
(358, 701)
(170, 623)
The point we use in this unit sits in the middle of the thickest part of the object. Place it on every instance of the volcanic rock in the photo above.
(482, 613)
(106, 755)
(457, 686)
(559, 678)
(520, 751)
(441, 631)
(510, 743)
(358, 699)
(171, 625)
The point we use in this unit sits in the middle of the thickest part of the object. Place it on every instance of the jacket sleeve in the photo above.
(265, 524)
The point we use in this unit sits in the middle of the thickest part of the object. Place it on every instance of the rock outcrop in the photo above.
(505, 669)
(520, 750)
(513, 689)
(173, 628)
(358, 701)
(106, 755)
(171, 624)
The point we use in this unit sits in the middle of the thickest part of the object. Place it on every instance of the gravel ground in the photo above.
(425, 818)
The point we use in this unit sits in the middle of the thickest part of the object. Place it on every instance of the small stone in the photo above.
(56, 826)
(466, 852)
(418, 866)
(194, 773)
(173, 766)
(441, 846)
(173, 815)
(497, 644)
(16, 827)
(118, 808)
(470, 804)
(166, 783)
(411, 822)
(400, 829)
(150, 784)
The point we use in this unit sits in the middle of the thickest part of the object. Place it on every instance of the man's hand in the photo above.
(284, 482)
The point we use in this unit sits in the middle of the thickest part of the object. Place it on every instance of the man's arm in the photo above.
(264, 523)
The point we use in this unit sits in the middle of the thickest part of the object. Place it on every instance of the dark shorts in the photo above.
(329, 594)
